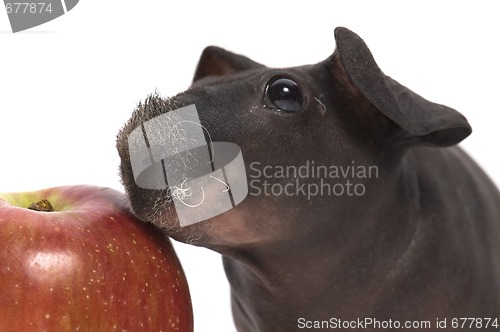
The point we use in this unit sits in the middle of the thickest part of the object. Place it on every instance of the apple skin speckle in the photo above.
(87, 267)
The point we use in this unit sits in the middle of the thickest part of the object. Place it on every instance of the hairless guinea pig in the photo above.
(342, 196)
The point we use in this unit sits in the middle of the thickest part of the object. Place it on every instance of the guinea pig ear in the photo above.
(430, 123)
(216, 61)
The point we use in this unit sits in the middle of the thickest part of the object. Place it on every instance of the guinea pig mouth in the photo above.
(171, 153)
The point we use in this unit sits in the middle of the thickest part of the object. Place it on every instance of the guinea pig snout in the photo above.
(167, 137)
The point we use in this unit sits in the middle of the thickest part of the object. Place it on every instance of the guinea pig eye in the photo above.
(285, 94)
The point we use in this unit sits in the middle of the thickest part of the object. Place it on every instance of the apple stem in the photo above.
(43, 206)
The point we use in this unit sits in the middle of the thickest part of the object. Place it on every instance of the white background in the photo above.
(66, 87)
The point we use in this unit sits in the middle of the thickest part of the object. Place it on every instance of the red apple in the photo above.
(89, 265)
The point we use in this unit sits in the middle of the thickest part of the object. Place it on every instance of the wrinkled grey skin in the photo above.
(421, 243)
